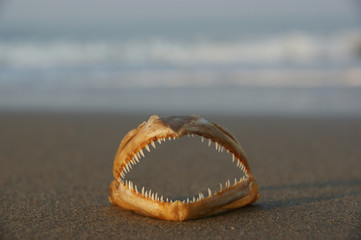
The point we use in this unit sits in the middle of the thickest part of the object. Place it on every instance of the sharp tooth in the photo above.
(232, 157)
(209, 192)
(235, 181)
(127, 167)
(146, 194)
(202, 195)
(147, 147)
(119, 180)
(153, 196)
(202, 139)
(174, 138)
(229, 183)
(216, 146)
(238, 163)
(138, 155)
(156, 196)
(169, 138)
(130, 166)
(161, 198)
(227, 151)
(184, 201)
(141, 152)
(187, 200)
(136, 189)
(153, 144)
(150, 192)
(142, 190)
(136, 158)
(222, 149)
(166, 200)
(194, 198)
(209, 142)
(220, 187)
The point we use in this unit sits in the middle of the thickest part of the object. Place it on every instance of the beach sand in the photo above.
(56, 169)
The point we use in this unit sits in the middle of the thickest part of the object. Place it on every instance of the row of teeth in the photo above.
(140, 154)
(156, 197)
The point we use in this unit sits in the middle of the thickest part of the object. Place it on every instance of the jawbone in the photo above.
(126, 194)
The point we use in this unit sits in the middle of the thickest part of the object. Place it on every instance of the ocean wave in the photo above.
(291, 48)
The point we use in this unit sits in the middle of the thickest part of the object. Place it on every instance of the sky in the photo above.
(113, 10)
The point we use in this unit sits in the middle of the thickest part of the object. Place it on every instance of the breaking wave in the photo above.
(292, 48)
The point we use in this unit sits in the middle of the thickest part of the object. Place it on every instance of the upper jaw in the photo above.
(157, 129)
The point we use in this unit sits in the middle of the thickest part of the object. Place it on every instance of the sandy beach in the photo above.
(56, 169)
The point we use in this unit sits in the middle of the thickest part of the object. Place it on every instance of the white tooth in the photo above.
(153, 144)
(202, 139)
(174, 138)
(141, 152)
(119, 180)
(227, 151)
(238, 163)
(209, 192)
(136, 158)
(160, 142)
(152, 196)
(136, 189)
(147, 147)
(222, 149)
(235, 181)
(143, 190)
(194, 198)
(216, 146)
(232, 157)
(209, 142)
(146, 194)
(220, 187)
(129, 184)
(130, 166)
(166, 200)
(156, 196)
(202, 195)
(161, 198)
(127, 167)
(138, 155)
(169, 138)
(229, 183)
(184, 201)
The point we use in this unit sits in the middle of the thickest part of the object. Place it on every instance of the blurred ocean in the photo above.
(289, 65)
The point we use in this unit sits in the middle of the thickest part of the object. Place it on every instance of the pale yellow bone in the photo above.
(242, 193)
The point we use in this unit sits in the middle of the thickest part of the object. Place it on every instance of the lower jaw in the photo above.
(243, 193)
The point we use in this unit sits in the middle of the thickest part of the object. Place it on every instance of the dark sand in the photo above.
(56, 170)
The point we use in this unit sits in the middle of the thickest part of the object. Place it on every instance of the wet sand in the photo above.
(56, 170)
